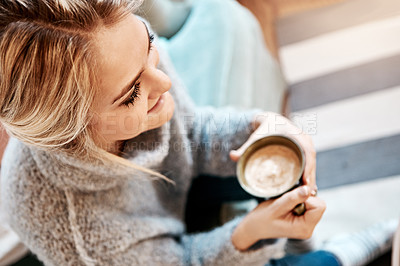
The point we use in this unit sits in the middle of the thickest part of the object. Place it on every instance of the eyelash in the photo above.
(151, 38)
(135, 94)
(136, 91)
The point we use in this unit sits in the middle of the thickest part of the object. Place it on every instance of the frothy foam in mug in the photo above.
(272, 170)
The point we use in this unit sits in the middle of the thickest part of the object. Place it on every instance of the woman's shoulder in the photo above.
(23, 176)
(20, 173)
(22, 184)
(33, 207)
(17, 161)
(23, 163)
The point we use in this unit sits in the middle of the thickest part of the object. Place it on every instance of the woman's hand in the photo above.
(272, 123)
(275, 219)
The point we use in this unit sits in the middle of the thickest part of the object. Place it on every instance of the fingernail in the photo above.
(304, 191)
(314, 192)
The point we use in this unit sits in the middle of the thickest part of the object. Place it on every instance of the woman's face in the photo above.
(133, 94)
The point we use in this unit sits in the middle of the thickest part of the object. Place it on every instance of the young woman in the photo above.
(106, 144)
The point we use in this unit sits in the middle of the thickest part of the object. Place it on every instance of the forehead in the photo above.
(121, 52)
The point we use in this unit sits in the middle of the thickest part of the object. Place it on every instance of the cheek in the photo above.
(130, 124)
(121, 125)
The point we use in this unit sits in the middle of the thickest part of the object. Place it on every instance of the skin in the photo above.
(123, 52)
(275, 219)
(3, 141)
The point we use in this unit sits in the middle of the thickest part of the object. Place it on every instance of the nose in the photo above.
(159, 81)
(159, 84)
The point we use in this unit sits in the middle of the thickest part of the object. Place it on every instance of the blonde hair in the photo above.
(47, 78)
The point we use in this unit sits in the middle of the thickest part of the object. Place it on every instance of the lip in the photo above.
(158, 105)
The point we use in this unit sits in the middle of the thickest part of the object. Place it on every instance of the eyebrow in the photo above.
(128, 87)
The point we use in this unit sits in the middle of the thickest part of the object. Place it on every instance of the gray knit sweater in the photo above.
(69, 212)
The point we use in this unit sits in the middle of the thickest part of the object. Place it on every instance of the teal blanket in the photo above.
(221, 56)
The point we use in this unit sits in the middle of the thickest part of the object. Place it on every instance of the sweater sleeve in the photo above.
(214, 133)
(216, 248)
(209, 248)
(104, 236)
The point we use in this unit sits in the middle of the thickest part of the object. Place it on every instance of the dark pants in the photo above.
(316, 258)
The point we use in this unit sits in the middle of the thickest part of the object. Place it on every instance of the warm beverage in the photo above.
(272, 170)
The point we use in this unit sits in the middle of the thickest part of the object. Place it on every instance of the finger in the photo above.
(288, 201)
(310, 180)
(315, 203)
(309, 176)
(315, 209)
(314, 191)
(235, 154)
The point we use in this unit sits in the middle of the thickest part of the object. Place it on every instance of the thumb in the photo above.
(236, 154)
(289, 200)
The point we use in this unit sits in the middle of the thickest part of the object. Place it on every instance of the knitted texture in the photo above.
(71, 212)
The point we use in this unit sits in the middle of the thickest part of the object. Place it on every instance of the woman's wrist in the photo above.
(242, 238)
